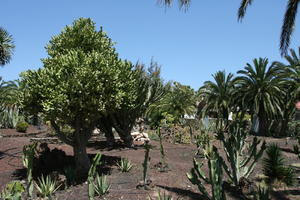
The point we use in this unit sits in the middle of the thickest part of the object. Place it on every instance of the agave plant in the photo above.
(101, 185)
(125, 165)
(46, 187)
(163, 196)
(274, 167)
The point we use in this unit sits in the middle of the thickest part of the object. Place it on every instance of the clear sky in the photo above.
(190, 46)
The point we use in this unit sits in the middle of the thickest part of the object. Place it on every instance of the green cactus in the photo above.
(162, 151)
(241, 159)
(92, 174)
(146, 162)
(215, 178)
(28, 157)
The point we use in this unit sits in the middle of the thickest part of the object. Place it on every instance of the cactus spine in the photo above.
(215, 179)
(92, 174)
(241, 160)
(28, 157)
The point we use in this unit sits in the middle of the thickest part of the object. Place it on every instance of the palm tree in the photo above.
(291, 86)
(288, 25)
(6, 47)
(218, 94)
(261, 91)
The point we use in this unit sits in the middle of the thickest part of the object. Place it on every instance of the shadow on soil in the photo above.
(182, 192)
(56, 161)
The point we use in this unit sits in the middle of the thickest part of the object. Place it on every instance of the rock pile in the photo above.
(139, 138)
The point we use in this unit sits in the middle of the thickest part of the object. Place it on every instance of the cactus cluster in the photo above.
(215, 178)
(241, 159)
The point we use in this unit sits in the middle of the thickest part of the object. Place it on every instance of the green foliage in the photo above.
(70, 174)
(241, 159)
(179, 100)
(215, 178)
(82, 80)
(274, 167)
(46, 187)
(101, 185)
(22, 126)
(294, 128)
(259, 83)
(28, 158)
(202, 140)
(92, 174)
(6, 47)
(217, 95)
(125, 165)
(12, 191)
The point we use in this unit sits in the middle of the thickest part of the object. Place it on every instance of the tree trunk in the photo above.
(82, 160)
(106, 126)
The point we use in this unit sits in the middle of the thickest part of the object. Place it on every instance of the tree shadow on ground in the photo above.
(182, 192)
(282, 195)
(102, 145)
(4, 153)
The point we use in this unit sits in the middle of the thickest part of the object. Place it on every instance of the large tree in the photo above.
(77, 86)
(6, 47)
(148, 88)
(260, 87)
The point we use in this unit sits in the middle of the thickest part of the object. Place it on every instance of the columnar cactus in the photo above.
(241, 160)
(215, 179)
(146, 162)
(28, 157)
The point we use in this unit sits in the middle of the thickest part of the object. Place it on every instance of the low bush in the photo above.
(22, 126)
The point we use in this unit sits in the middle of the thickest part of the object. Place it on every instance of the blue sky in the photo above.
(190, 46)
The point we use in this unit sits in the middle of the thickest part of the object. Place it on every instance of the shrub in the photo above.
(274, 167)
(22, 126)
(12, 191)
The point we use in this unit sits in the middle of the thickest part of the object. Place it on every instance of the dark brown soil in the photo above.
(123, 185)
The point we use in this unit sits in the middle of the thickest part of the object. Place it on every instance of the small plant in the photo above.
(46, 187)
(22, 126)
(70, 174)
(215, 179)
(12, 191)
(28, 157)
(274, 167)
(92, 174)
(263, 193)
(163, 196)
(101, 185)
(125, 165)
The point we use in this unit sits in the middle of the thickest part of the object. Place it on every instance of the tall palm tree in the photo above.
(261, 91)
(217, 94)
(291, 86)
(6, 47)
(288, 25)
